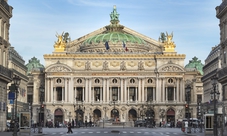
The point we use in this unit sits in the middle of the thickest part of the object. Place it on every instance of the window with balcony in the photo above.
(170, 93)
(132, 93)
(97, 93)
(59, 93)
(114, 93)
(79, 93)
(149, 93)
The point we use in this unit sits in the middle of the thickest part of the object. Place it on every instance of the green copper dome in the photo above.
(115, 37)
(195, 63)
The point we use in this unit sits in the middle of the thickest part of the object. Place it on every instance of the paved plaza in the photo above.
(97, 131)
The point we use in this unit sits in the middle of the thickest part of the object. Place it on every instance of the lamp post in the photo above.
(78, 111)
(150, 113)
(188, 90)
(16, 82)
(214, 92)
(114, 110)
(41, 90)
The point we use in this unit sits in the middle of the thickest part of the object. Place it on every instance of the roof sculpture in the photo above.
(33, 63)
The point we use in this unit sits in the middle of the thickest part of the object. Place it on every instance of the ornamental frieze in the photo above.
(97, 63)
(131, 63)
(149, 63)
(79, 63)
(114, 63)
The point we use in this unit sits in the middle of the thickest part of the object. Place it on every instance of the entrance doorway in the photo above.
(132, 115)
(170, 115)
(58, 117)
(115, 115)
(96, 115)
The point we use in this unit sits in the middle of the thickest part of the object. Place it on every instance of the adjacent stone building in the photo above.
(5, 73)
(17, 64)
(221, 14)
(116, 73)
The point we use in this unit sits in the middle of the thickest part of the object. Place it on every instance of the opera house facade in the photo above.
(115, 73)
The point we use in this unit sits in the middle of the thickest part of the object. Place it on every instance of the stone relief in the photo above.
(59, 69)
(140, 65)
(180, 113)
(114, 63)
(131, 63)
(97, 63)
(88, 65)
(171, 68)
(79, 63)
(122, 66)
(105, 65)
(149, 63)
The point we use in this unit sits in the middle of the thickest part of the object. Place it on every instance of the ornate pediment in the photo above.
(59, 69)
(171, 68)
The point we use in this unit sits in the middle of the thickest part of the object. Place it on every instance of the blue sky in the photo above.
(35, 22)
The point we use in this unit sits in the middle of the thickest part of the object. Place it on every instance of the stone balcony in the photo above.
(6, 74)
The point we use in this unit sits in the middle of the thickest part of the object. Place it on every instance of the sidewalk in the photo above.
(22, 134)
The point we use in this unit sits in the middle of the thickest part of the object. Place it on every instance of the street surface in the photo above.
(98, 131)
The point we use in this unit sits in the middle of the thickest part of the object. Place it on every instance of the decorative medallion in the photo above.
(79, 63)
(149, 63)
(114, 63)
(131, 63)
(97, 63)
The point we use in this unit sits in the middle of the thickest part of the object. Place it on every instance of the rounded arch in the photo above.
(114, 114)
(97, 115)
(170, 116)
(58, 116)
(132, 115)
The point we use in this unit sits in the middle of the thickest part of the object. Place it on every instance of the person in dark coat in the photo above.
(69, 128)
(72, 123)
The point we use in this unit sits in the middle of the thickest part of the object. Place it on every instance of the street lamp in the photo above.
(150, 113)
(41, 90)
(78, 111)
(16, 82)
(188, 90)
(214, 92)
(114, 110)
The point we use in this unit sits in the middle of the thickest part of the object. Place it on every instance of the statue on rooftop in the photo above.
(114, 16)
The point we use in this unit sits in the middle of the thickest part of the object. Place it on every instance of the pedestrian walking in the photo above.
(69, 128)
(72, 123)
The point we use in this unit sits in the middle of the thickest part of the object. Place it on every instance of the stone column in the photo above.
(89, 90)
(71, 90)
(110, 94)
(183, 90)
(51, 90)
(65, 90)
(136, 94)
(128, 94)
(118, 94)
(177, 96)
(48, 89)
(101, 94)
(174, 93)
(107, 91)
(139, 90)
(122, 89)
(104, 89)
(125, 90)
(83, 94)
(166, 93)
(163, 89)
(154, 93)
(143, 89)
